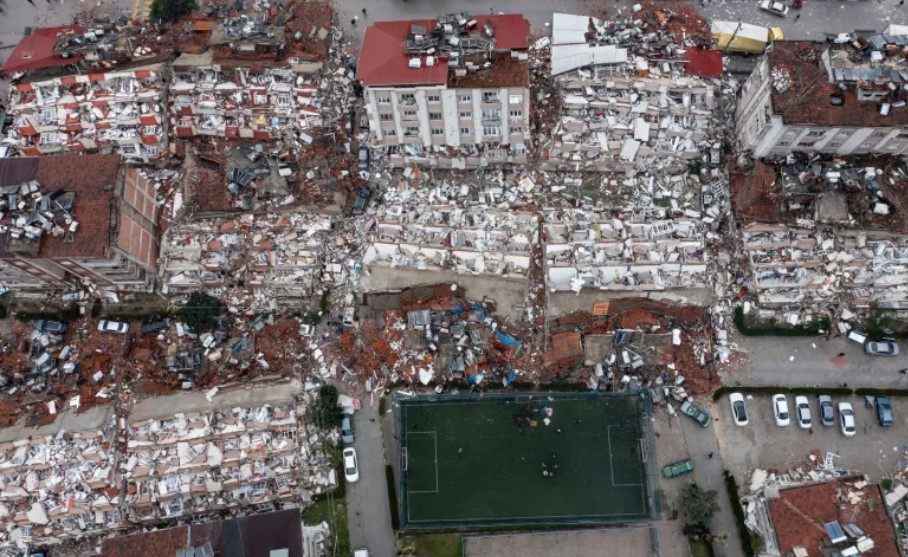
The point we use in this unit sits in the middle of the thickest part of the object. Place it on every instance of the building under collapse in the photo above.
(454, 90)
(844, 98)
(116, 112)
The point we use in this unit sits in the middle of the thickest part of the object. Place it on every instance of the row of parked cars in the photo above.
(803, 414)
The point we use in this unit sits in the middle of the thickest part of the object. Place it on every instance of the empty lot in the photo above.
(874, 450)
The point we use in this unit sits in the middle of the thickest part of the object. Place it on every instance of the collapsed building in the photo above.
(825, 232)
(116, 112)
(627, 100)
(453, 91)
(475, 241)
(844, 98)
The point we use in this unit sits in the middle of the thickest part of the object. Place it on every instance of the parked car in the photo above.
(846, 419)
(347, 429)
(676, 469)
(361, 553)
(882, 348)
(362, 200)
(827, 410)
(738, 408)
(802, 410)
(698, 415)
(884, 411)
(351, 466)
(53, 327)
(780, 410)
(364, 157)
(113, 327)
(306, 330)
(154, 326)
(775, 8)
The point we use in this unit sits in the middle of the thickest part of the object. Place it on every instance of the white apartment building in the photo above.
(452, 91)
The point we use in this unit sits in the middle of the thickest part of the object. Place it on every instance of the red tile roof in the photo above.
(158, 543)
(91, 178)
(35, 51)
(800, 513)
(807, 100)
(382, 60)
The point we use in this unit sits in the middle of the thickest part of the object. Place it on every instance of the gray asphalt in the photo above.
(708, 472)
(814, 361)
(368, 509)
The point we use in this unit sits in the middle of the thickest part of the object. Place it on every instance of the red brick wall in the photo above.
(137, 235)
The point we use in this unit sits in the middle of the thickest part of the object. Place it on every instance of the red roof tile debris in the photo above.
(800, 513)
(36, 51)
(158, 543)
(807, 100)
(702, 62)
(383, 60)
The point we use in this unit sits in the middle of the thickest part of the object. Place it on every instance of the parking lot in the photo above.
(874, 450)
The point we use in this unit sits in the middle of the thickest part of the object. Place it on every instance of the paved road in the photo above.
(708, 472)
(813, 361)
(367, 500)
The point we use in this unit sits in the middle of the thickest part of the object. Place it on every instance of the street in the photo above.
(368, 509)
(813, 361)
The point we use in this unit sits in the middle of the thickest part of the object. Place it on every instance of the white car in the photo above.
(780, 410)
(361, 553)
(351, 466)
(802, 410)
(113, 327)
(775, 8)
(738, 409)
(846, 419)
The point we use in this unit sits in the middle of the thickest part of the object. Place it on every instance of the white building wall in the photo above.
(422, 111)
(477, 113)
(854, 142)
(451, 116)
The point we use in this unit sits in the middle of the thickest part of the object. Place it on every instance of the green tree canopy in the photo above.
(699, 505)
(169, 11)
(326, 413)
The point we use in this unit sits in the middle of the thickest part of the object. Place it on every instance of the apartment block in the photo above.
(844, 98)
(77, 221)
(454, 90)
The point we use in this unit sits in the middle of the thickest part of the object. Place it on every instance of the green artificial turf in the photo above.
(468, 462)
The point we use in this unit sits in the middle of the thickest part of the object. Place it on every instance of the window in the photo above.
(464, 98)
(411, 130)
(815, 133)
(284, 101)
(386, 117)
(490, 114)
(517, 129)
(783, 144)
(491, 130)
(434, 98)
(409, 114)
(407, 98)
(490, 97)
(466, 131)
(390, 133)
(466, 115)
(515, 99)
(150, 130)
(435, 116)
(516, 114)
(834, 144)
(383, 99)
(152, 150)
(438, 131)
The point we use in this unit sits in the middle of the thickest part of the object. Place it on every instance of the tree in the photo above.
(201, 312)
(326, 413)
(168, 11)
(699, 505)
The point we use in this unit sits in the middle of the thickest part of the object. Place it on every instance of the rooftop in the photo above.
(803, 92)
(385, 60)
(90, 178)
(799, 513)
(36, 51)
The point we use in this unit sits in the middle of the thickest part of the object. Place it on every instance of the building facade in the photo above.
(453, 90)
(811, 97)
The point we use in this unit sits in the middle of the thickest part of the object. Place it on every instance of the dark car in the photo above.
(884, 411)
(53, 327)
(347, 429)
(154, 326)
(827, 411)
(364, 158)
(362, 200)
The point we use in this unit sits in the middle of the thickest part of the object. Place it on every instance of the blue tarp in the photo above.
(507, 339)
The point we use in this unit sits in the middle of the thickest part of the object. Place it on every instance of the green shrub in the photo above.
(326, 413)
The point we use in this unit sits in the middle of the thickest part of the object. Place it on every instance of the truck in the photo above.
(699, 416)
(734, 36)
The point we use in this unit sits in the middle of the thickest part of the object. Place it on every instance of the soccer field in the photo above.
(493, 460)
